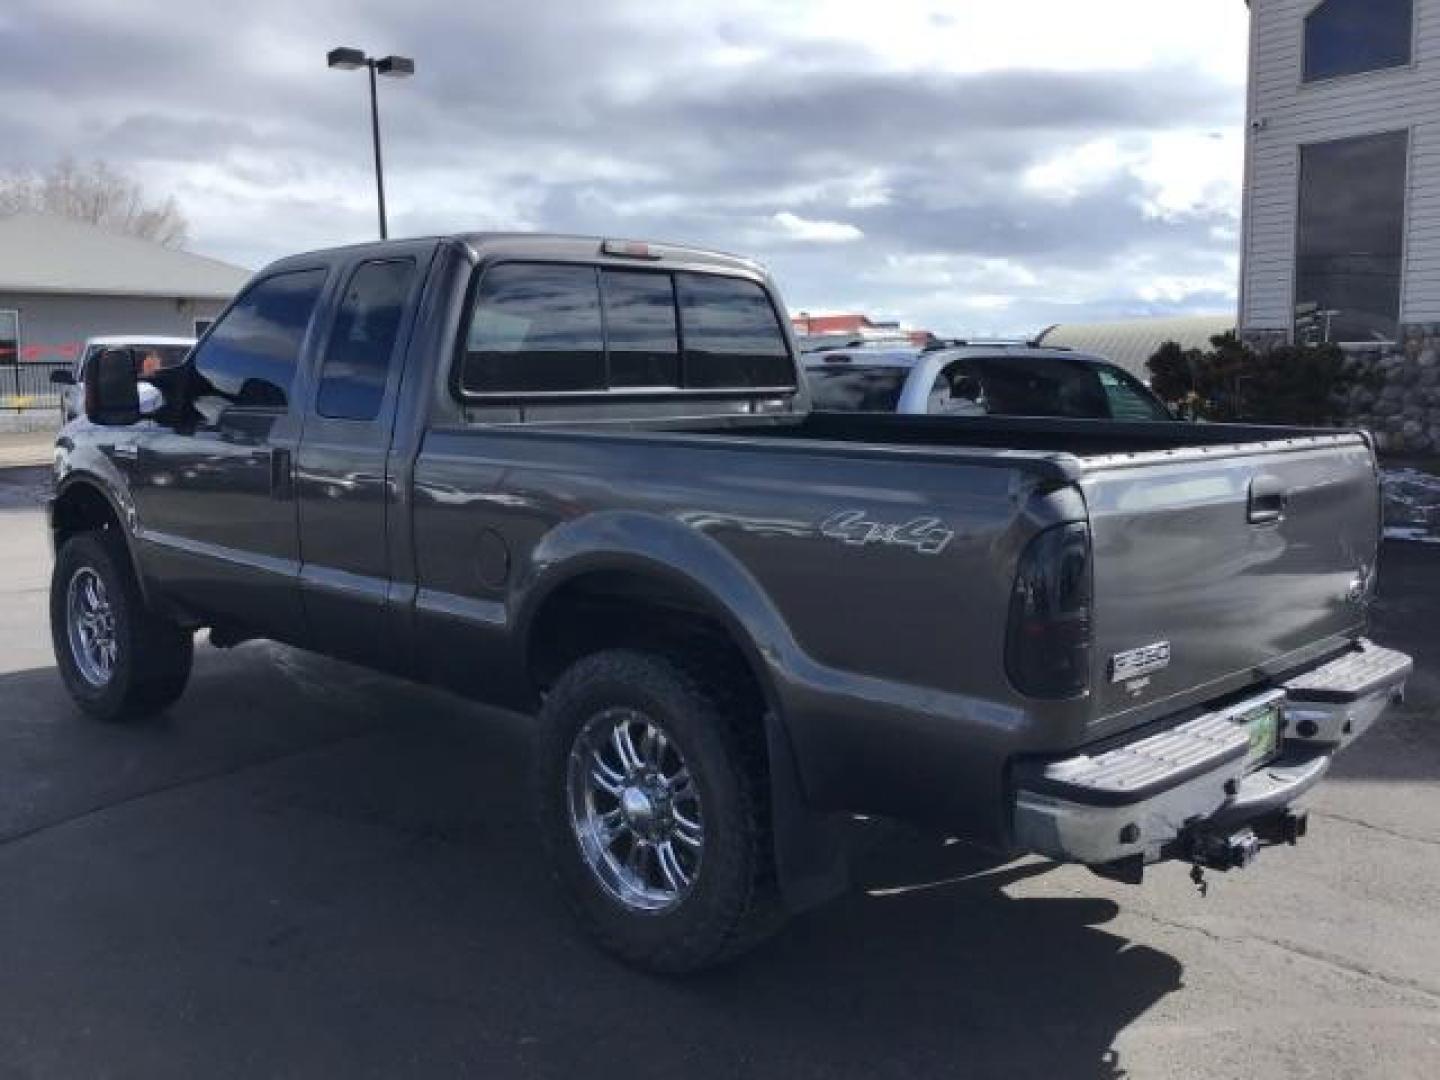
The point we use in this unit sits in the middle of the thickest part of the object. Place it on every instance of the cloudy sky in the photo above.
(964, 165)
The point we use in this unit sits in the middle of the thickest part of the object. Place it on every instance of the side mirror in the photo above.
(63, 377)
(112, 398)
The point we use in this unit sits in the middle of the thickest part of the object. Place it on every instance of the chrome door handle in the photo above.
(282, 478)
(1268, 499)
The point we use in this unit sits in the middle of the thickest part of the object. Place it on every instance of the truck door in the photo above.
(214, 494)
(345, 476)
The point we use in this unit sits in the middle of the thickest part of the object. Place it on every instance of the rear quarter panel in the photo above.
(886, 655)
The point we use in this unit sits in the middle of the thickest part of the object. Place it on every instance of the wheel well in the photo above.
(82, 509)
(629, 609)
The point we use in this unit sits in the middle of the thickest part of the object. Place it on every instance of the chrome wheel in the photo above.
(90, 624)
(635, 810)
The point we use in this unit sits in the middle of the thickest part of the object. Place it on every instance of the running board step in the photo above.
(1136, 771)
(1363, 671)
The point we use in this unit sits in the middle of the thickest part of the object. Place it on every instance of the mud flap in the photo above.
(812, 864)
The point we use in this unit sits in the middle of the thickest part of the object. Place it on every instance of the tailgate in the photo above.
(1235, 557)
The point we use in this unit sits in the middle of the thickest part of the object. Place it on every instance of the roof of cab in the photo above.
(553, 246)
(588, 247)
(899, 356)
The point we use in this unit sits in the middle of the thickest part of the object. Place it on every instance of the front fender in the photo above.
(80, 465)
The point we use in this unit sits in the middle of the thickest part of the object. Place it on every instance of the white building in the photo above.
(1341, 235)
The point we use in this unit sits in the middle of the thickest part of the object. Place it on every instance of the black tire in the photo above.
(731, 903)
(152, 656)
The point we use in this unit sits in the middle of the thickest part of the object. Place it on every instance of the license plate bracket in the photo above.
(1262, 724)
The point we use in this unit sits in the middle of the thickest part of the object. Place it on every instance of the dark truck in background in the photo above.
(581, 478)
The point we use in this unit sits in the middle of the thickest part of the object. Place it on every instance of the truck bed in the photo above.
(1244, 549)
(1081, 438)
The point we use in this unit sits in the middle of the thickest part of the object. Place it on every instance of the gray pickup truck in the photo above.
(580, 477)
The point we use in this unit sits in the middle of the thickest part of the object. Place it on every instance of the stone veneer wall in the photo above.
(1398, 396)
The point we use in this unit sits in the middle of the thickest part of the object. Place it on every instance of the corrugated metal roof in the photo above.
(1131, 342)
(42, 253)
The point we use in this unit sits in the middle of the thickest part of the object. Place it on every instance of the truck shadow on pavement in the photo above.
(308, 870)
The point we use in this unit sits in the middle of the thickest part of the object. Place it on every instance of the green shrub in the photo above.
(1290, 384)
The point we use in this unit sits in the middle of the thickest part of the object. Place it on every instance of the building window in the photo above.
(201, 325)
(1350, 238)
(9, 337)
(1346, 37)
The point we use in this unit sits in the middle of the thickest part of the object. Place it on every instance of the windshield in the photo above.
(843, 388)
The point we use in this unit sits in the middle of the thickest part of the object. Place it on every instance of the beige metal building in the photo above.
(1131, 342)
(62, 281)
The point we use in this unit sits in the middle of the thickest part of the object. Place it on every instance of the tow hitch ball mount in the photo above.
(1209, 850)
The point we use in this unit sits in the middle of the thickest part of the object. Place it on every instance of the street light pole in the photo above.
(379, 165)
(398, 67)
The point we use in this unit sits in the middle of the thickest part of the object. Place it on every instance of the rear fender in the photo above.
(809, 854)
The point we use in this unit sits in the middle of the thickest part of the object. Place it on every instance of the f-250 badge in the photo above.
(927, 535)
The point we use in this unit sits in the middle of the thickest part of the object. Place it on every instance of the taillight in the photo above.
(1047, 647)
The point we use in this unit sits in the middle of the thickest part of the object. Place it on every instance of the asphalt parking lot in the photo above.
(307, 870)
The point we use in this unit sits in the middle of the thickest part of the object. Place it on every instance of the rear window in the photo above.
(547, 328)
(536, 328)
(732, 334)
(641, 329)
(842, 388)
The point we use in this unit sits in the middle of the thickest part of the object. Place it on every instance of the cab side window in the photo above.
(957, 391)
(249, 359)
(361, 350)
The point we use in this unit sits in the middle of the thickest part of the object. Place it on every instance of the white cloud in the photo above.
(939, 270)
(794, 227)
(1191, 172)
(1076, 170)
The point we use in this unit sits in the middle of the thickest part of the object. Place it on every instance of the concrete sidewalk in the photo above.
(28, 448)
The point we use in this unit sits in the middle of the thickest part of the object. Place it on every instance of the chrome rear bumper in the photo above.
(1134, 801)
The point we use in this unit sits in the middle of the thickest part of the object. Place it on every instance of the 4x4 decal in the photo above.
(927, 535)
